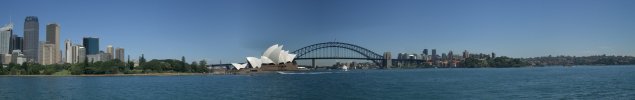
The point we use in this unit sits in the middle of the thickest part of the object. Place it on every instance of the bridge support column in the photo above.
(313, 63)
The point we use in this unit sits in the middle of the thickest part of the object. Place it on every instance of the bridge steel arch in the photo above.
(366, 54)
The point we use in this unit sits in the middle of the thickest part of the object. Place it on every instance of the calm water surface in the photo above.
(582, 82)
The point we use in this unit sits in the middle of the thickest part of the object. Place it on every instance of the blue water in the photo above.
(582, 82)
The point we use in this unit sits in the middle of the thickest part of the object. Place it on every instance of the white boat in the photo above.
(345, 68)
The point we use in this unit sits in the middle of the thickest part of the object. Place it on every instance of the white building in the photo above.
(273, 55)
(68, 46)
(5, 38)
(17, 57)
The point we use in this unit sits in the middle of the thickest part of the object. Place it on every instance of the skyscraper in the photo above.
(110, 52)
(16, 43)
(466, 54)
(450, 55)
(31, 38)
(81, 55)
(435, 58)
(425, 52)
(5, 38)
(493, 55)
(120, 54)
(91, 44)
(68, 47)
(53, 38)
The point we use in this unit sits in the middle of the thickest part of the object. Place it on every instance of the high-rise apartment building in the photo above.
(120, 53)
(110, 52)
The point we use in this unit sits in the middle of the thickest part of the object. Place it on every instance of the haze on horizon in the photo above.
(230, 30)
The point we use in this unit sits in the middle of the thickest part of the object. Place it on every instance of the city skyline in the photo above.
(212, 29)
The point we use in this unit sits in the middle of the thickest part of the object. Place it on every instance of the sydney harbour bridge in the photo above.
(340, 50)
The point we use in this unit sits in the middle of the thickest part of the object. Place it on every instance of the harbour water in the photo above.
(580, 82)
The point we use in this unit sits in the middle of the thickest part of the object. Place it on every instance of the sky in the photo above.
(230, 30)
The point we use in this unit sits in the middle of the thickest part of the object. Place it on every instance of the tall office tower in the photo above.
(81, 54)
(435, 59)
(450, 55)
(53, 37)
(110, 52)
(91, 44)
(31, 38)
(466, 54)
(425, 52)
(120, 54)
(47, 54)
(16, 43)
(493, 55)
(444, 56)
(68, 47)
(5, 38)
(434, 54)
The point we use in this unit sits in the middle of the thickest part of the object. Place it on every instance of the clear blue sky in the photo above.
(230, 30)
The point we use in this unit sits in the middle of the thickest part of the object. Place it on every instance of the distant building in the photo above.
(120, 54)
(466, 54)
(47, 54)
(68, 47)
(493, 55)
(435, 57)
(17, 57)
(5, 58)
(80, 55)
(53, 37)
(31, 38)
(425, 52)
(92, 45)
(444, 56)
(103, 56)
(110, 51)
(93, 57)
(5, 38)
(16, 43)
(450, 55)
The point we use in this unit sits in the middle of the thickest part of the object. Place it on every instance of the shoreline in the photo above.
(107, 75)
(197, 74)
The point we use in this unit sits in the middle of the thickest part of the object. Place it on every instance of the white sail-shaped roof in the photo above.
(275, 54)
(283, 56)
(255, 62)
(239, 66)
(265, 60)
(269, 50)
(291, 57)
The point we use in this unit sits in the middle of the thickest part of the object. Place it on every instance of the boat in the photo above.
(345, 68)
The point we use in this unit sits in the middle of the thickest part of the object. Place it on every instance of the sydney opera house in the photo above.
(273, 59)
